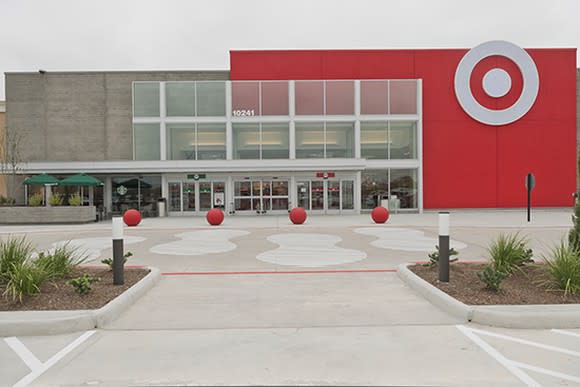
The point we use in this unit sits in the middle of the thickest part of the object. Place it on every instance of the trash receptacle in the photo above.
(384, 201)
(161, 205)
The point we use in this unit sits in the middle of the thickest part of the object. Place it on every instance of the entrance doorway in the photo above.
(195, 197)
(326, 196)
(261, 195)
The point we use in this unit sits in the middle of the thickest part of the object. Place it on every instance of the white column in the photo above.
(108, 196)
(357, 151)
(229, 133)
(420, 144)
(292, 113)
(293, 195)
(162, 112)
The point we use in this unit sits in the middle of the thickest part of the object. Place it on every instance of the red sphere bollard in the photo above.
(215, 217)
(132, 217)
(298, 215)
(380, 214)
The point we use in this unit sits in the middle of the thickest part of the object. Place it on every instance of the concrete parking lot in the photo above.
(262, 301)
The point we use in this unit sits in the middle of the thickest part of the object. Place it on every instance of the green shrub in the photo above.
(434, 256)
(492, 277)
(35, 200)
(24, 279)
(61, 262)
(564, 267)
(109, 261)
(82, 284)
(13, 253)
(55, 199)
(574, 233)
(75, 200)
(6, 201)
(508, 252)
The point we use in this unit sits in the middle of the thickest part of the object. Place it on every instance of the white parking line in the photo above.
(508, 364)
(546, 372)
(40, 368)
(562, 332)
(24, 353)
(527, 342)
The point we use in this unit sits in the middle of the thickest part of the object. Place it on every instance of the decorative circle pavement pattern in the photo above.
(200, 243)
(309, 250)
(92, 247)
(404, 239)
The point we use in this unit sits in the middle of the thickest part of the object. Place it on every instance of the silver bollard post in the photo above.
(444, 246)
(118, 255)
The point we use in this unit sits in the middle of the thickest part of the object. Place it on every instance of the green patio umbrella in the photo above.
(42, 179)
(81, 179)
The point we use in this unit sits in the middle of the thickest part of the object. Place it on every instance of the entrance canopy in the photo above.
(42, 179)
(81, 179)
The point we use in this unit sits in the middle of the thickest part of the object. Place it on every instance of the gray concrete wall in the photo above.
(45, 215)
(80, 116)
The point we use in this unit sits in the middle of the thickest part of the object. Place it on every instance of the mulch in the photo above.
(528, 285)
(59, 295)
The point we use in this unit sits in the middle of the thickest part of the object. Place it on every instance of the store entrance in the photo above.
(195, 198)
(261, 195)
(326, 196)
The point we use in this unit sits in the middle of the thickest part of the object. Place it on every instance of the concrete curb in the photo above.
(40, 323)
(506, 316)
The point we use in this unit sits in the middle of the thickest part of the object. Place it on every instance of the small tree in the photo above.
(11, 159)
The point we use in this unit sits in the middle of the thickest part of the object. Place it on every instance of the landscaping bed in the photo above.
(527, 285)
(58, 294)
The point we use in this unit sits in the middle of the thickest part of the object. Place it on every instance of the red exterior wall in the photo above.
(465, 163)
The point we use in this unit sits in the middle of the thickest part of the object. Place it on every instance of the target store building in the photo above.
(333, 131)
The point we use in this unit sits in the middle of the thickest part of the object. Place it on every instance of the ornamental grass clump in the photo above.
(35, 200)
(61, 262)
(508, 252)
(75, 200)
(25, 280)
(13, 253)
(55, 199)
(22, 274)
(564, 267)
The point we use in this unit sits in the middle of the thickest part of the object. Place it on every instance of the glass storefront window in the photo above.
(374, 97)
(211, 99)
(339, 97)
(275, 141)
(339, 139)
(309, 97)
(246, 141)
(404, 187)
(146, 99)
(245, 99)
(309, 140)
(374, 185)
(274, 98)
(403, 97)
(181, 141)
(174, 197)
(403, 140)
(374, 140)
(347, 195)
(180, 99)
(139, 192)
(146, 140)
(211, 141)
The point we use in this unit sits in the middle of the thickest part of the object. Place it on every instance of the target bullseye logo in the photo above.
(496, 83)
